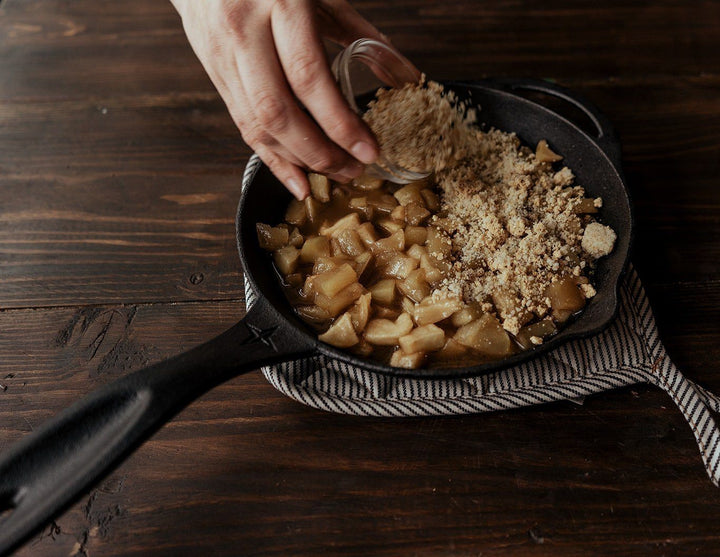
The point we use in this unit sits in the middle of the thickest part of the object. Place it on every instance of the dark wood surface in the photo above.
(119, 172)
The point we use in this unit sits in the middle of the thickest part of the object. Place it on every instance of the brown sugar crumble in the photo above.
(419, 127)
(515, 224)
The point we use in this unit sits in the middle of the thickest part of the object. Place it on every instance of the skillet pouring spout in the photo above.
(45, 472)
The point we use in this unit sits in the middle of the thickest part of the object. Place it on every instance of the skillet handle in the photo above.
(48, 470)
(606, 136)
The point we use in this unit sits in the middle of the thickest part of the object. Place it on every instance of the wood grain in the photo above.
(120, 171)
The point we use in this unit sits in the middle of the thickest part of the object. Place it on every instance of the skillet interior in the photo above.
(265, 199)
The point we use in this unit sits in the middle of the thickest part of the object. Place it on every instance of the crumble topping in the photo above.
(515, 224)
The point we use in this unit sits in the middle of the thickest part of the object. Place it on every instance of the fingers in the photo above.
(303, 61)
(292, 177)
(276, 111)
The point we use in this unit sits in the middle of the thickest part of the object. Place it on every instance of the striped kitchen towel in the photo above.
(628, 352)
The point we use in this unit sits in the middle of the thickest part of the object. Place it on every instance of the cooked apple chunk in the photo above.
(350, 242)
(319, 187)
(360, 312)
(286, 259)
(414, 286)
(314, 248)
(565, 295)
(409, 361)
(383, 291)
(341, 333)
(427, 338)
(296, 213)
(333, 281)
(485, 335)
(411, 194)
(271, 238)
(365, 182)
(312, 209)
(313, 313)
(415, 235)
(350, 221)
(335, 304)
(431, 311)
(384, 332)
(399, 266)
(415, 214)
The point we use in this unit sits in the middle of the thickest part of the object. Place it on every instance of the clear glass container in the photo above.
(361, 69)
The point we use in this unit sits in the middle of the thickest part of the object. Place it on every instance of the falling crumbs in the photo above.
(515, 223)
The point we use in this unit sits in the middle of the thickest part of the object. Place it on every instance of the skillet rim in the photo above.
(303, 332)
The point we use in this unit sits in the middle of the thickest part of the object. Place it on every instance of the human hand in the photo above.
(266, 58)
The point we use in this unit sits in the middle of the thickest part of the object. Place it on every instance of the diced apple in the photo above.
(326, 263)
(365, 182)
(296, 213)
(427, 338)
(312, 208)
(384, 203)
(414, 286)
(296, 239)
(432, 273)
(314, 248)
(361, 205)
(390, 225)
(541, 329)
(271, 238)
(415, 214)
(366, 232)
(333, 281)
(350, 242)
(319, 187)
(383, 291)
(486, 336)
(432, 311)
(335, 304)
(408, 361)
(363, 264)
(399, 266)
(349, 221)
(415, 235)
(452, 350)
(543, 153)
(394, 242)
(360, 312)
(313, 314)
(438, 243)
(383, 332)
(286, 259)
(432, 201)
(465, 315)
(341, 333)
(411, 194)
(565, 294)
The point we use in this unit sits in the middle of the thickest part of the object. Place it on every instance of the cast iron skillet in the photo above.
(47, 470)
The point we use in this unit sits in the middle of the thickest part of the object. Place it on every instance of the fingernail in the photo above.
(296, 188)
(364, 152)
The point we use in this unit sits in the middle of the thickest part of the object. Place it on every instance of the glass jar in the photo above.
(360, 70)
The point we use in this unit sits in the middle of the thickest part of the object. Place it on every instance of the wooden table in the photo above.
(119, 172)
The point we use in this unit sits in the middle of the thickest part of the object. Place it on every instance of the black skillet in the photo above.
(47, 470)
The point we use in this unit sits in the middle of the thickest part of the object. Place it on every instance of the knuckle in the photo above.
(255, 136)
(342, 131)
(304, 72)
(324, 161)
(271, 112)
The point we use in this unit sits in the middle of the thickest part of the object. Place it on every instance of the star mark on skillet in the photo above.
(261, 335)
